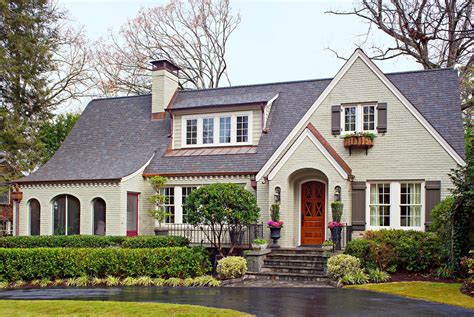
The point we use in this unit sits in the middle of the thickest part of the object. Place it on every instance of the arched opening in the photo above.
(35, 212)
(66, 215)
(98, 209)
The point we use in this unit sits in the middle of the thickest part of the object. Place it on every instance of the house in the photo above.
(282, 141)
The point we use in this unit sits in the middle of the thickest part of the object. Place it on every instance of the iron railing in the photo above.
(199, 234)
(346, 236)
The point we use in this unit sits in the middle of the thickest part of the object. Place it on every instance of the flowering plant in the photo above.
(334, 224)
(275, 224)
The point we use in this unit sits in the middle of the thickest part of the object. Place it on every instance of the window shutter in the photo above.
(336, 120)
(358, 206)
(432, 198)
(382, 117)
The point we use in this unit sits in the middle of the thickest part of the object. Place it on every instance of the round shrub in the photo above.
(232, 267)
(341, 265)
(360, 248)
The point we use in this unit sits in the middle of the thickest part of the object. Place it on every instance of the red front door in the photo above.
(313, 205)
(132, 214)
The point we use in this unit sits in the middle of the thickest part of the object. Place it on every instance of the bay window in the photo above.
(359, 118)
(217, 130)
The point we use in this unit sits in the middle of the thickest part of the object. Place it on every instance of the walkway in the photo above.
(259, 301)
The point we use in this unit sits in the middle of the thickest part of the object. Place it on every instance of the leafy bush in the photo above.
(89, 241)
(356, 277)
(398, 250)
(341, 265)
(337, 209)
(59, 263)
(232, 267)
(378, 276)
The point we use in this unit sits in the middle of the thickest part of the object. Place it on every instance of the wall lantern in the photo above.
(277, 195)
(337, 193)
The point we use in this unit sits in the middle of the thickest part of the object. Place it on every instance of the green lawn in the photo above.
(97, 308)
(446, 293)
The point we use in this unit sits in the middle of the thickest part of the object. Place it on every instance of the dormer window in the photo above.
(217, 129)
(358, 118)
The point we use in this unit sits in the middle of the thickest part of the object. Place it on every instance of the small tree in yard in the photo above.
(158, 200)
(220, 208)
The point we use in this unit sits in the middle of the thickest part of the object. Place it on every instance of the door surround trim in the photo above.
(299, 206)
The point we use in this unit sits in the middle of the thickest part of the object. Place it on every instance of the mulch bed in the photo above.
(410, 277)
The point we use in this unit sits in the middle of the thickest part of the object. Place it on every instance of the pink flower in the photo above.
(275, 224)
(334, 224)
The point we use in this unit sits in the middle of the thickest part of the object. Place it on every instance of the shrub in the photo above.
(342, 264)
(360, 248)
(358, 276)
(206, 281)
(232, 267)
(89, 241)
(59, 263)
(378, 276)
(337, 209)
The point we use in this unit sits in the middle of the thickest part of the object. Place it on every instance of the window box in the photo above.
(358, 141)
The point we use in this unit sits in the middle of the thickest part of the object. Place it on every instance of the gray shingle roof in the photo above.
(115, 137)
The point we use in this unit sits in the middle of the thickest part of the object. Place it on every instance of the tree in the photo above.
(42, 65)
(158, 200)
(53, 132)
(435, 33)
(219, 208)
(193, 34)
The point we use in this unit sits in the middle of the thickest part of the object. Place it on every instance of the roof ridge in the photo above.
(421, 71)
(119, 97)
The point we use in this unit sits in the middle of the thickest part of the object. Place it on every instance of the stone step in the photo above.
(320, 278)
(302, 250)
(294, 263)
(290, 257)
(293, 269)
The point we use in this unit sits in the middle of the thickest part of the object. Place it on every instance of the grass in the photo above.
(98, 308)
(445, 293)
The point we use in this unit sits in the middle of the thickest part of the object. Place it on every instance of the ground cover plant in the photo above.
(90, 241)
(63, 263)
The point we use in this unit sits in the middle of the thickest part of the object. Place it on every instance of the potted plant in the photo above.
(359, 139)
(158, 200)
(336, 228)
(259, 244)
(275, 225)
(328, 245)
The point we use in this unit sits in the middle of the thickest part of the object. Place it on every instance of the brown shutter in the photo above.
(382, 117)
(432, 198)
(358, 206)
(336, 120)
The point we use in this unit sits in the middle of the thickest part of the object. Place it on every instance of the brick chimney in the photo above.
(164, 85)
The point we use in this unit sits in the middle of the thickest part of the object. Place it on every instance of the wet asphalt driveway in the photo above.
(258, 301)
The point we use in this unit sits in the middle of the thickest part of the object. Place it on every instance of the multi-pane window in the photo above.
(350, 116)
(369, 118)
(410, 205)
(379, 205)
(242, 129)
(169, 206)
(185, 191)
(208, 130)
(225, 129)
(191, 131)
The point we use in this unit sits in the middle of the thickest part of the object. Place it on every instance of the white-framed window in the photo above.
(185, 191)
(169, 204)
(395, 204)
(379, 205)
(217, 129)
(359, 118)
(410, 205)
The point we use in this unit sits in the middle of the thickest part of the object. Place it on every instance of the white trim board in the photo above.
(358, 53)
(139, 171)
(307, 134)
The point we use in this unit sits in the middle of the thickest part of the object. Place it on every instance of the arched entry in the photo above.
(313, 212)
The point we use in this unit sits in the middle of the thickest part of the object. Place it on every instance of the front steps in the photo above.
(294, 264)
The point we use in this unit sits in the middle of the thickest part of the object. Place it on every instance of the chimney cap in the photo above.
(164, 64)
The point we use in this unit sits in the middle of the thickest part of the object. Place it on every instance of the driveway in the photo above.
(258, 301)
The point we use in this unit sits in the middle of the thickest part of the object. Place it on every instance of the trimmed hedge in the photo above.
(398, 250)
(59, 263)
(90, 241)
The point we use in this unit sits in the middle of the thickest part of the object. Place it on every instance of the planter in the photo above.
(358, 142)
(275, 235)
(161, 231)
(236, 237)
(336, 236)
(259, 246)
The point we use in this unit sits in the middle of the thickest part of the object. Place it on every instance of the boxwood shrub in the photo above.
(90, 241)
(59, 263)
(398, 250)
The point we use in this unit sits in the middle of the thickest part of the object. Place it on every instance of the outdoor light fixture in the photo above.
(337, 193)
(277, 194)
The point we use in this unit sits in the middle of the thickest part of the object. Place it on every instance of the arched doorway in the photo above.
(35, 213)
(98, 209)
(313, 212)
(66, 215)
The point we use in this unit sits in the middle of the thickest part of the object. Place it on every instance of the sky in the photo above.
(275, 41)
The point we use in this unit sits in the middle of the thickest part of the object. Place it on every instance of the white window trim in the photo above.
(217, 116)
(395, 190)
(359, 118)
(178, 204)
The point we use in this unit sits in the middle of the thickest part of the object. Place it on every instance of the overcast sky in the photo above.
(276, 40)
